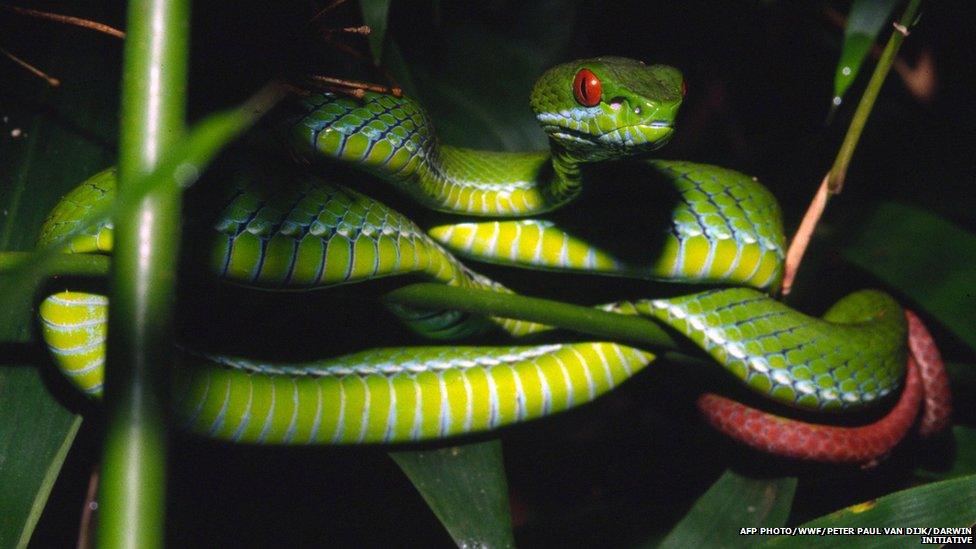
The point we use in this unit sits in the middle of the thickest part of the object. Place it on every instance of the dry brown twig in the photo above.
(58, 18)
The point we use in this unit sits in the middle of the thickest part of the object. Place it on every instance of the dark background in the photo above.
(625, 469)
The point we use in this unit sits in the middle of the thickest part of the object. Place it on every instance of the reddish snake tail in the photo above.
(926, 381)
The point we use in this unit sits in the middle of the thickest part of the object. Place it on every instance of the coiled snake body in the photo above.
(724, 228)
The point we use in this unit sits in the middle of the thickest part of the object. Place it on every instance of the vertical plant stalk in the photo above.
(143, 278)
(838, 172)
(833, 182)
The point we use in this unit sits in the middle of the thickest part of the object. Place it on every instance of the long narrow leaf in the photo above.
(947, 504)
(964, 458)
(375, 14)
(43, 154)
(864, 22)
(35, 435)
(734, 502)
(926, 257)
(465, 487)
(183, 167)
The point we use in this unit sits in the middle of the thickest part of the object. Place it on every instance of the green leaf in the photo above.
(50, 140)
(476, 67)
(947, 504)
(964, 461)
(863, 24)
(732, 503)
(35, 436)
(465, 487)
(375, 14)
(924, 256)
(182, 167)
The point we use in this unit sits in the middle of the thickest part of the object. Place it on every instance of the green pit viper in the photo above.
(303, 233)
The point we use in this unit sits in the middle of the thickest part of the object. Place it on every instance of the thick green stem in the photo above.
(838, 171)
(613, 326)
(143, 278)
(58, 264)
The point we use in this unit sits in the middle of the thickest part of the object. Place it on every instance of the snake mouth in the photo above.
(656, 133)
(630, 139)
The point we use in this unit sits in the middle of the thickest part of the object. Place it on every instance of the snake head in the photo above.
(608, 107)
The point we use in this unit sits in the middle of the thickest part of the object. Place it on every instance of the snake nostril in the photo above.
(616, 103)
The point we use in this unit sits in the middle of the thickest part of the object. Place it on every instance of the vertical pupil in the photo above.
(586, 88)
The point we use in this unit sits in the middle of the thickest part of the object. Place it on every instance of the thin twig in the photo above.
(362, 29)
(335, 4)
(88, 511)
(353, 85)
(66, 19)
(52, 81)
(586, 320)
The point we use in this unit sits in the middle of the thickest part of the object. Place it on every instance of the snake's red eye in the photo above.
(587, 88)
(684, 88)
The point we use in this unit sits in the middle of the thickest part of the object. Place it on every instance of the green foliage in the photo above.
(64, 134)
(864, 22)
(896, 244)
(465, 487)
(964, 458)
(733, 502)
(375, 14)
(951, 503)
(35, 435)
